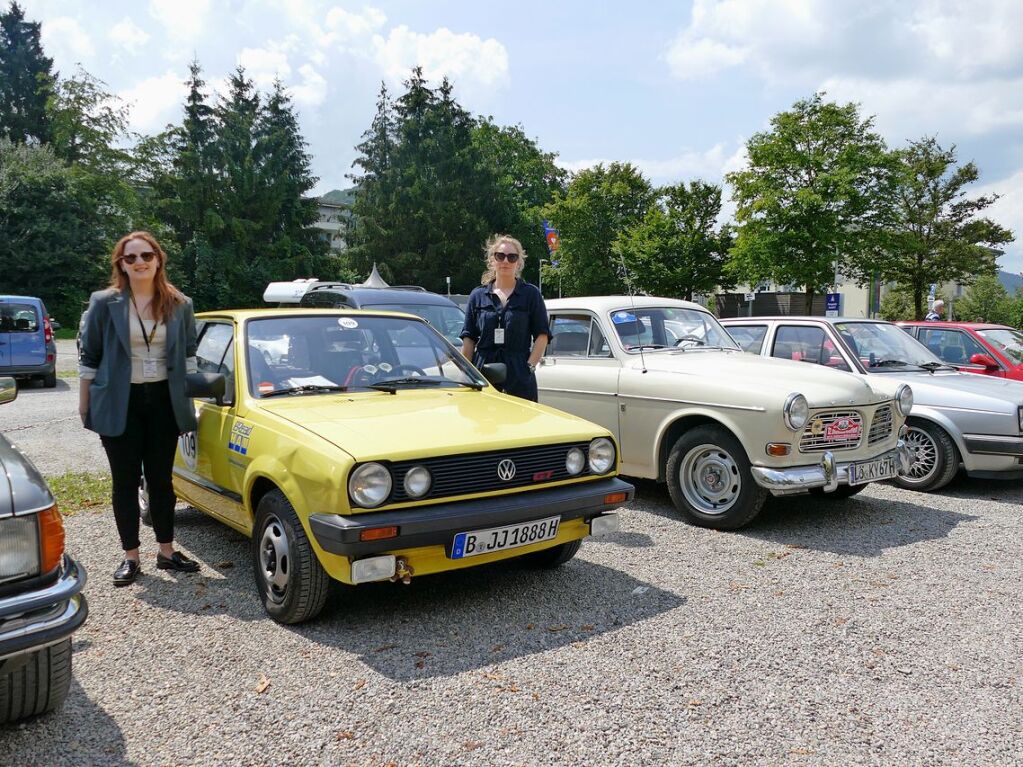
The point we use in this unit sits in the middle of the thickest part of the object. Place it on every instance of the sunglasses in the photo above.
(132, 257)
(510, 257)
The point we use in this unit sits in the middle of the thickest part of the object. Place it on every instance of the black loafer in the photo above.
(176, 561)
(127, 572)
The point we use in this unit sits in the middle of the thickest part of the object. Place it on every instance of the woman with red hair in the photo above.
(137, 344)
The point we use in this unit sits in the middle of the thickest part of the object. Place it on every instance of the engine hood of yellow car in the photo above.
(414, 423)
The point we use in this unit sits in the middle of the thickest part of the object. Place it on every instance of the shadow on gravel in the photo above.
(1005, 490)
(80, 733)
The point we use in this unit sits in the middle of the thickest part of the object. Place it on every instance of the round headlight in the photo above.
(796, 411)
(575, 461)
(904, 399)
(370, 485)
(602, 455)
(417, 481)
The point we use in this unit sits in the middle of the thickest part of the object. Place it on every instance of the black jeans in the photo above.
(148, 443)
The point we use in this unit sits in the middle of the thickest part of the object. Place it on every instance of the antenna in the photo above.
(632, 300)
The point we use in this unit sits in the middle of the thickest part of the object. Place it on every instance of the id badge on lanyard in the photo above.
(149, 368)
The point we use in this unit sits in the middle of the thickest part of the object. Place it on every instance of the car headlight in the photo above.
(575, 461)
(904, 399)
(417, 481)
(19, 548)
(370, 485)
(796, 411)
(602, 455)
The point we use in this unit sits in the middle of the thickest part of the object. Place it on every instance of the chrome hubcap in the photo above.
(925, 455)
(274, 559)
(710, 480)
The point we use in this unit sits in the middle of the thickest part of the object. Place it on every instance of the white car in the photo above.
(721, 427)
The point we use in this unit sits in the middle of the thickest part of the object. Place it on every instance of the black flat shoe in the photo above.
(176, 561)
(127, 572)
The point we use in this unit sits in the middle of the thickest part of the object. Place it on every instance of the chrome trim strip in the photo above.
(693, 402)
(26, 512)
(65, 616)
(70, 583)
(579, 391)
(205, 484)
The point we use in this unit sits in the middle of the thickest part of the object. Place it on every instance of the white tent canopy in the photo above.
(374, 280)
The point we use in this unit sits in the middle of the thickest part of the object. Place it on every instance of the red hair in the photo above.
(166, 297)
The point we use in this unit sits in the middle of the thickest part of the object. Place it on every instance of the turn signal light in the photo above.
(616, 498)
(378, 533)
(778, 448)
(51, 539)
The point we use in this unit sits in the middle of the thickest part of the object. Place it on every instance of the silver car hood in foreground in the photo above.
(961, 391)
(22, 488)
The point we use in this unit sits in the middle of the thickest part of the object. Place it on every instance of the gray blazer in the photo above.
(105, 357)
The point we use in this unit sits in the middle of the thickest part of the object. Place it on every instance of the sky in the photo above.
(676, 88)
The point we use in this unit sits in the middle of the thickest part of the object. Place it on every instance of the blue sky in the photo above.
(674, 87)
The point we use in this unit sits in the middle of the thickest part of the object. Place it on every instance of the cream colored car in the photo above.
(721, 427)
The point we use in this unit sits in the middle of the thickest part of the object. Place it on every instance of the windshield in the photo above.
(447, 319)
(884, 348)
(290, 354)
(1009, 341)
(669, 327)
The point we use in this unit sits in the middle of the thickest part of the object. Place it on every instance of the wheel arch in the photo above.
(679, 425)
(937, 418)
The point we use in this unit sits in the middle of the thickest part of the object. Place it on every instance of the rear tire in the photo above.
(936, 458)
(38, 686)
(555, 556)
(50, 380)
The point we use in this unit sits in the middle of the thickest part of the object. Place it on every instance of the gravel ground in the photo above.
(879, 630)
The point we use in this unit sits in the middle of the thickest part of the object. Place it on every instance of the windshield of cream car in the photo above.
(313, 354)
(669, 327)
(884, 348)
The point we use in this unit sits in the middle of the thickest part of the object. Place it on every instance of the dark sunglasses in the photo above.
(510, 257)
(132, 257)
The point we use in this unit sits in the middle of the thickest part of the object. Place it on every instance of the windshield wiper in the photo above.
(889, 364)
(391, 385)
(637, 347)
(930, 367)
(304, 389)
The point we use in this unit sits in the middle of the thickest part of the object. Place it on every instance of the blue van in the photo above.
(27, 348)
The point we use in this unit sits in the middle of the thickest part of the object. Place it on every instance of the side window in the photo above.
(749, 337)
(216, 354)
(598, 344)
(570, 335)
(952, 346)
(806, 344)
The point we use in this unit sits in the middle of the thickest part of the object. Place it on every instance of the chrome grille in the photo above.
(816, 438)
(881, 426)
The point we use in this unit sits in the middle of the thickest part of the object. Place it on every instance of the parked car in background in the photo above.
(957, 419)
(27, 348)
(41, 603)
(723, 429)
(973, 347)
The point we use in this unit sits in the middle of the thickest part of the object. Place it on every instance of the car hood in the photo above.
(952, 389)
(758, 377)
(22, 488)
(416, 423)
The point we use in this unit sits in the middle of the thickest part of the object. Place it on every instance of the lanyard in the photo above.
(148, 339)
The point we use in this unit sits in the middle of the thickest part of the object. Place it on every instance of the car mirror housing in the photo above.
(206, 386)
(495, 372)
(983, 359)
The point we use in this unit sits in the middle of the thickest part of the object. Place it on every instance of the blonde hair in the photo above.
(491, 247)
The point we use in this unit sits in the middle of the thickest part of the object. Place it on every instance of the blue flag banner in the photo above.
(551, 235)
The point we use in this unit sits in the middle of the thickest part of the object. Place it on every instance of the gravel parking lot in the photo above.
(884, 629)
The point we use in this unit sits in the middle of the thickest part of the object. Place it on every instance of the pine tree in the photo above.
(370, 229)
(26, 79)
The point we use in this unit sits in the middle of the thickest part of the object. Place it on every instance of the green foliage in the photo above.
(675, 251)
(599, 205)
(986, 301)
(896, 305)
(816, 190)
(26, 79)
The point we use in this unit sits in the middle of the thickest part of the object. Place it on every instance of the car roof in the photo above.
(293, 292)
(609, 303)
(803, 318)
(6, 297)
(290, 312)
(947, 324)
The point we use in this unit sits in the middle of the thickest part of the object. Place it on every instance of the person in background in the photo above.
(505, 318)
(937, 309)
(136, 346)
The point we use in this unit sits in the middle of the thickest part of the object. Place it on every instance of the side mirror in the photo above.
(495, 372)
(206, 386)
(8, 390)
(984, 359)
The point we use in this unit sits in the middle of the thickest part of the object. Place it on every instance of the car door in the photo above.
(579, 373)
(26, 340)
(956, 347)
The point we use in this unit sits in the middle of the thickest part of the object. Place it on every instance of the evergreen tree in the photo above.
(370, 227)
(26, 79)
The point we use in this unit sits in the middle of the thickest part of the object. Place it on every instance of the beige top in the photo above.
(157, 348)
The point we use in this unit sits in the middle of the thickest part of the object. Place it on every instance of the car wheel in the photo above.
(936, 460)
(291, 582)
(710, 481)
(145, 513)
(555, 556)
(50, 380)
(842, 491)
(39, 685)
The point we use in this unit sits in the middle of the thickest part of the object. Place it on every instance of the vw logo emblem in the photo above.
(506, 470)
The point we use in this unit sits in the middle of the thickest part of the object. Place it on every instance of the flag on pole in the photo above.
(551, 235)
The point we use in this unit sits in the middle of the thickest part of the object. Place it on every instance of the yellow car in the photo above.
(361, 446)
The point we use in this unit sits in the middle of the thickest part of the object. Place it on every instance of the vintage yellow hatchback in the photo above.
(361, 446)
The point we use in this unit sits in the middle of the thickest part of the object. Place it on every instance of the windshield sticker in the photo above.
(621, 317)
(385, 367)
(239, 440)
(265, 387)
(371, 369)
(348, 322)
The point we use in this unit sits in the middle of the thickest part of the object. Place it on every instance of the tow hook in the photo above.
(402, 571)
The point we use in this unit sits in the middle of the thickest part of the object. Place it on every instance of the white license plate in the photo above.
(476, 542)
(872, 471)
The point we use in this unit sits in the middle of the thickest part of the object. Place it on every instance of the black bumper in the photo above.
(437, 525)
(33, 620)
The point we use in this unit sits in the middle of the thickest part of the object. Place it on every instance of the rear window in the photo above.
(18, 318)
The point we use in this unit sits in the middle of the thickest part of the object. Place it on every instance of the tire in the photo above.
(38, 686)
(145, 513)
(50, 380)
(937, 459)
(842, 491)
(290, 580)
(555, 556)
(696, 465)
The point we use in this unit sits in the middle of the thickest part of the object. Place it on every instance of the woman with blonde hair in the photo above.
(137, 344)
(505, 318)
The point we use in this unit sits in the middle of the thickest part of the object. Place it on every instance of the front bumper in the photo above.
(438, 525)
(827, 474)
(36, 619)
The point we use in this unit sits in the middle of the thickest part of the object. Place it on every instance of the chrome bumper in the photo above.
(828, 474)
(35, 619)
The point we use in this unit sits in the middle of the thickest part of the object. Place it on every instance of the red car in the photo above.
(973, 347)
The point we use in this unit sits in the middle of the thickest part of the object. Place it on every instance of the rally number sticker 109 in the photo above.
(476, 542)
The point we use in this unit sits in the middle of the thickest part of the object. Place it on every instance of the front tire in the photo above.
(710, 481)
(936, 459)
(290, 580)
(38, 686)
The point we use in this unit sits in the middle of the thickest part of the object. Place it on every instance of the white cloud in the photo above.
(65, 40)
(698, 59)
(710, 165)
(155, 101)
(465, 58)
(128, 35)
(345, 26)
(313, 89)
(264, 65)
(1007, 211)
(183, 20)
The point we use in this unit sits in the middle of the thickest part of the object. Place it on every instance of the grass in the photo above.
(77, 491)
(67, 374)
(66, 334)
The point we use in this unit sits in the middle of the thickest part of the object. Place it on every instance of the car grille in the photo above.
(816, 436)
(455, 475)
(881, 426)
